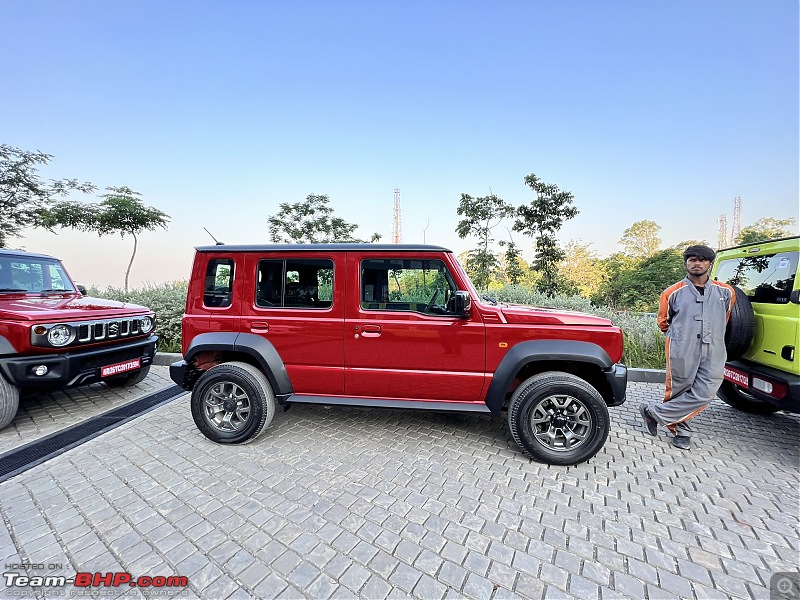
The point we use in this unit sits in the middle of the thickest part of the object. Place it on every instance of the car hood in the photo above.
(536, 315)
(63, 308)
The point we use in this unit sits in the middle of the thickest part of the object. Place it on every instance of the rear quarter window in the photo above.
(219, 282)
(768, 279)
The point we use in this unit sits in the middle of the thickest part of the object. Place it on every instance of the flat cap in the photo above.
(699, 251)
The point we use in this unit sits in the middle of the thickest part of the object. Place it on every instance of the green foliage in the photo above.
(636, 284)
(765, 229)
(513, 263)
(23, 195)
(480, 216)
(641, 239)
(167, 300)
(542, 218)
(311, 221)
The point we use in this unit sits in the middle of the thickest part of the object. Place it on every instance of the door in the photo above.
(297, 303)
(401, 341)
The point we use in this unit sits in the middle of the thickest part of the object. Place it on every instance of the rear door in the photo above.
(297, 303)
(400, 340)
(768, 280)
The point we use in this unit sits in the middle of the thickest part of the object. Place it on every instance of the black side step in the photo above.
(462, 407)
(34, 453)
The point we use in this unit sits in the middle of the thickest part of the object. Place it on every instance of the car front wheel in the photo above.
(232, 403)
(128, 379)
(9, 401)
(558, 418)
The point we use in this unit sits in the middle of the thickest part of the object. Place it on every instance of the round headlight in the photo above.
(146, 324)
(59, 335)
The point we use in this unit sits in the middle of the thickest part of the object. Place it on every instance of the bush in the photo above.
(167, 300)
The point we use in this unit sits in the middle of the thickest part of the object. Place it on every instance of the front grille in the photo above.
(106, 330)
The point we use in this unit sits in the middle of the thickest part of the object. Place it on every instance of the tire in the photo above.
(9, 401)
(565, 406)
(741, 326)
(128, 379)
(736, 397)
(249, 398)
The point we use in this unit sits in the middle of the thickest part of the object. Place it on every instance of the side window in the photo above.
(768, 279)
(301, 283)
(424, 286)
(219, 282)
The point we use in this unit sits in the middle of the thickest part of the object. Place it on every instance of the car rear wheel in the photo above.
(738, 398)
(128, 379)
(9, 401)
(233, 403)
(558, 418)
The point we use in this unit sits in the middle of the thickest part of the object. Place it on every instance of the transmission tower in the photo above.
(736, 228)
(722, 236)
(397, 228)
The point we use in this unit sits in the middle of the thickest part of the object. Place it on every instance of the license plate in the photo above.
(123, 367)
(736, 376)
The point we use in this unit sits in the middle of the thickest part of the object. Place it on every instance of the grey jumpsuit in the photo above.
(694, 324)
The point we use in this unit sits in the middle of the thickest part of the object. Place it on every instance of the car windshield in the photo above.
(41, 275)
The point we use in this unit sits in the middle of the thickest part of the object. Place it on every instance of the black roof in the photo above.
(322, 248)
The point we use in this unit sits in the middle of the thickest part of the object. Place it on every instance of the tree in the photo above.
(641, 239)
(638, 283)
(765, 229)
(23, 195)
(481, 215)
(120, 212)
(542, 218)
(513, 264)
(582, 267)
(309, 222)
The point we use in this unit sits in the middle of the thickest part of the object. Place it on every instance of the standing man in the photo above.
(693, 314)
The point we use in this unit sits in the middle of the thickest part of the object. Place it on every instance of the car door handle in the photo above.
(259, 327)
(371, 330)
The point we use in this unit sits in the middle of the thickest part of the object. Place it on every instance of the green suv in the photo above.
(762, 374)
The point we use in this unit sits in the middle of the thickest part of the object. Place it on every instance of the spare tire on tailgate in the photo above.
(741, 326)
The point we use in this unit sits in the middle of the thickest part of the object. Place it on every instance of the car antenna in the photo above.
(213, 238)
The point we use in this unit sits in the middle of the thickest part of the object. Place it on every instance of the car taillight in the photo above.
(773, 388)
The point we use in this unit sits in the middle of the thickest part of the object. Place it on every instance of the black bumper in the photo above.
(617, 378)
(177, 372)
(790, 402)
(76, 367)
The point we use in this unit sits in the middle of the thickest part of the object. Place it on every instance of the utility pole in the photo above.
(397, 228)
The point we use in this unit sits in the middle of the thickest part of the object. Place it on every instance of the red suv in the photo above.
(53, 337)
(390, 326)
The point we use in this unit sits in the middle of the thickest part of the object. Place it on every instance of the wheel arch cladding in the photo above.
(261, 350)
(541, 350)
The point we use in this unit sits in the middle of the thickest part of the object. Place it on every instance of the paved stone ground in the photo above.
(350, 503)
(42, 414)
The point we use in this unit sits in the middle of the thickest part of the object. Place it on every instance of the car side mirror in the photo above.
(462, 304)
(81, 289)
(795, 296)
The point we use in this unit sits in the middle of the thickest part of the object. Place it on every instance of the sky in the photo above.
(217, 112)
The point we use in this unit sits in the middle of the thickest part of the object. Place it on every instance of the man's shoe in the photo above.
(650, 422)
(681, 441)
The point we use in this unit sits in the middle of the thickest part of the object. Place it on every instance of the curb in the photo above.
(634, 375)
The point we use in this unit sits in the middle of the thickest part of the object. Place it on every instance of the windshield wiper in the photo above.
(12, 290)
(489, 299)
(52, 291)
